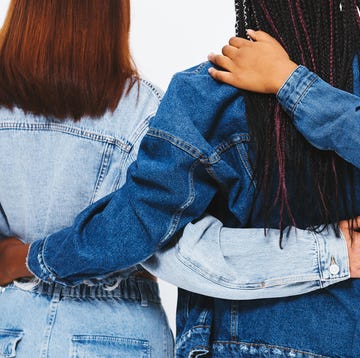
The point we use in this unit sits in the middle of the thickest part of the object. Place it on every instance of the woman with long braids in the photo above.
(327, 114)
(235, 154)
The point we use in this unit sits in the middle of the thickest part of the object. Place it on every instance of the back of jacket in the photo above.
(52, 169)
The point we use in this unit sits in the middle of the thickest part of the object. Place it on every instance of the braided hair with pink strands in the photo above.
(324, 36)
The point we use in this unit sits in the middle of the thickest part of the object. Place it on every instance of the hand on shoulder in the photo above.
(261, 65)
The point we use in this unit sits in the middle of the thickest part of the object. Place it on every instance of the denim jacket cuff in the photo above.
(36, 264)
(333, 257)
(295, 88)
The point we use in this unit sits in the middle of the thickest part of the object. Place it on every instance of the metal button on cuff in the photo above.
(334, 268)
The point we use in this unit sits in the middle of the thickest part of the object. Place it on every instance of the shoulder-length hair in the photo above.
(66, 58)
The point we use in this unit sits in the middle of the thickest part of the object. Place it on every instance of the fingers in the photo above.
(229, 51)
(259, 35)
(220, 60)
(254, 35)
(222, 76)
(238, 42)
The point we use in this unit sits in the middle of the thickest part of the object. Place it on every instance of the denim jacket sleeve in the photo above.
(217, 261)
(157, 200)
(329, 118)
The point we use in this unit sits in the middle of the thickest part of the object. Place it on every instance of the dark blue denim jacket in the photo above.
(195, 156)
(196, 147)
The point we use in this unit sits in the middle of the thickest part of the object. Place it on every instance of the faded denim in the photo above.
(216, 261)
(82, 322)
(51, 170)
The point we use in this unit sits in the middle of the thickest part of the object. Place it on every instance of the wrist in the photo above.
(283, 72)
(16, 257)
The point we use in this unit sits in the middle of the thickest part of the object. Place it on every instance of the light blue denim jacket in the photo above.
(103, 148)
(123, 224)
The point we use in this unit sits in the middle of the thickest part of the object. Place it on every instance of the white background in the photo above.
(168, 36)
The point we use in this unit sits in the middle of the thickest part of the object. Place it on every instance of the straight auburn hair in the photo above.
(66, 58)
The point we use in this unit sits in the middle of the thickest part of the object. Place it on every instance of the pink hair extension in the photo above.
(322, 199)
(271, 22)
(280, 153)
(333, 166)
(296, 31)
(308, 42)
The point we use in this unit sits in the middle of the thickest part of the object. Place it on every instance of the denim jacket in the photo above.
(113, 141)
(321, 120)
(32, 184)
(194, 156)
(194, 152)
(224, 270)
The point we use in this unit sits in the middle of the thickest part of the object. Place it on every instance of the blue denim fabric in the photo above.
(216, 261)
(55, 321)
(50, 170)
(218, 274)
(321, 119)
(195, 152)
(196, 148)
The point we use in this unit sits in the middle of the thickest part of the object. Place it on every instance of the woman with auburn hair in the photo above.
(73, 111)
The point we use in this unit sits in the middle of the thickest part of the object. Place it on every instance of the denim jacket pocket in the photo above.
(84, 346)
(8, 341)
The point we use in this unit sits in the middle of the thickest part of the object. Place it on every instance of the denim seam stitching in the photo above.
(200, 68)
(47, 272)
(79, 132)
(244, 286)
(190, 199)
(259, 345)
(104, 165)
(301, 97)
(236, 139)
(152, 88)
(177, 142)
(245, 162)
(143, 127)
(285, 84)
(319, 265)
(123, 167)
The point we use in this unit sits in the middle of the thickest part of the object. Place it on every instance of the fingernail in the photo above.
(250, 32)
